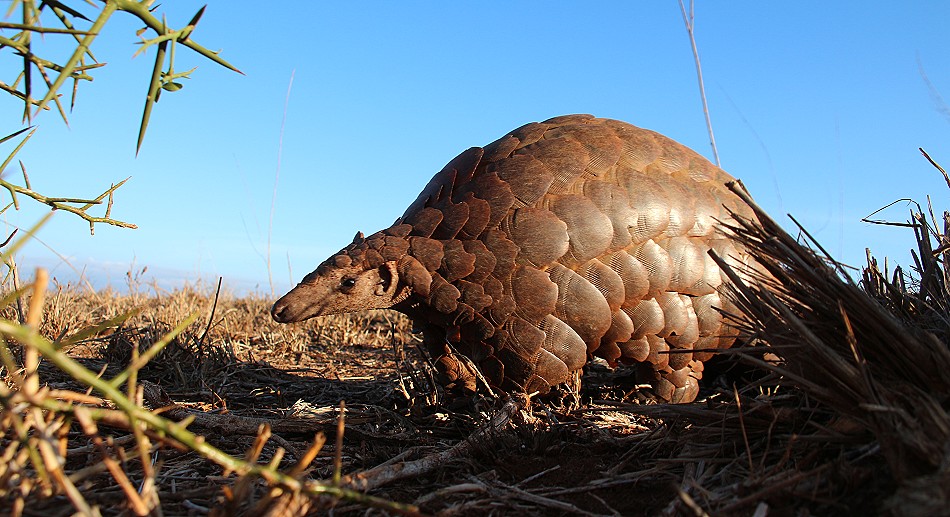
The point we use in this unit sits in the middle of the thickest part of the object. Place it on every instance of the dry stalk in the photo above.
(31, 360)
(338, 453)
(689, 20)
(391, 472)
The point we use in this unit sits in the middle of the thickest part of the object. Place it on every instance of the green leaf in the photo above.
(94, 330)
(17, 244)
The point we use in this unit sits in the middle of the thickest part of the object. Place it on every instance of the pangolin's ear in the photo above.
(359, 238)
(388, 278)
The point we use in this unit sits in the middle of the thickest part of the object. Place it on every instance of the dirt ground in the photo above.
(610, 451)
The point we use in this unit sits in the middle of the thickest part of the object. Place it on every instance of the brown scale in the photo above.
(564, 239)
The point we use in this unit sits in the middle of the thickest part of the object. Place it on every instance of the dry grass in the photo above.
(852, 418)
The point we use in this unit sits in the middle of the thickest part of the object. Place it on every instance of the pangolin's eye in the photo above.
(347, 282)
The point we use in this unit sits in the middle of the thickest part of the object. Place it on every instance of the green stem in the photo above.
(140, 10)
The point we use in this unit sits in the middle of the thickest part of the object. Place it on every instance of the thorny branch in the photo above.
(77, 206)
(75, 67)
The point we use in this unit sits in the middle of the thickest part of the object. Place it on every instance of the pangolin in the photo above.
(568, 238)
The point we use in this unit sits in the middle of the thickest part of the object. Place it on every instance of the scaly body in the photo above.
(572, 237)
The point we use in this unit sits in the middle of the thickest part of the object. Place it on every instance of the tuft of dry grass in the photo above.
(867, 366)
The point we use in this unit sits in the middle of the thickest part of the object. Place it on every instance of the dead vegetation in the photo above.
(231, 413)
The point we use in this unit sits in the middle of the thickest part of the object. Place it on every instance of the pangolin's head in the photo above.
(356, 278)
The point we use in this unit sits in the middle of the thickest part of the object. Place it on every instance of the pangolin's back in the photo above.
(592, 237)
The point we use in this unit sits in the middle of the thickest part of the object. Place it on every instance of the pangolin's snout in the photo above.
(279, 312)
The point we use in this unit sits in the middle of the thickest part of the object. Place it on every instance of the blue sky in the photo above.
(819, 107)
